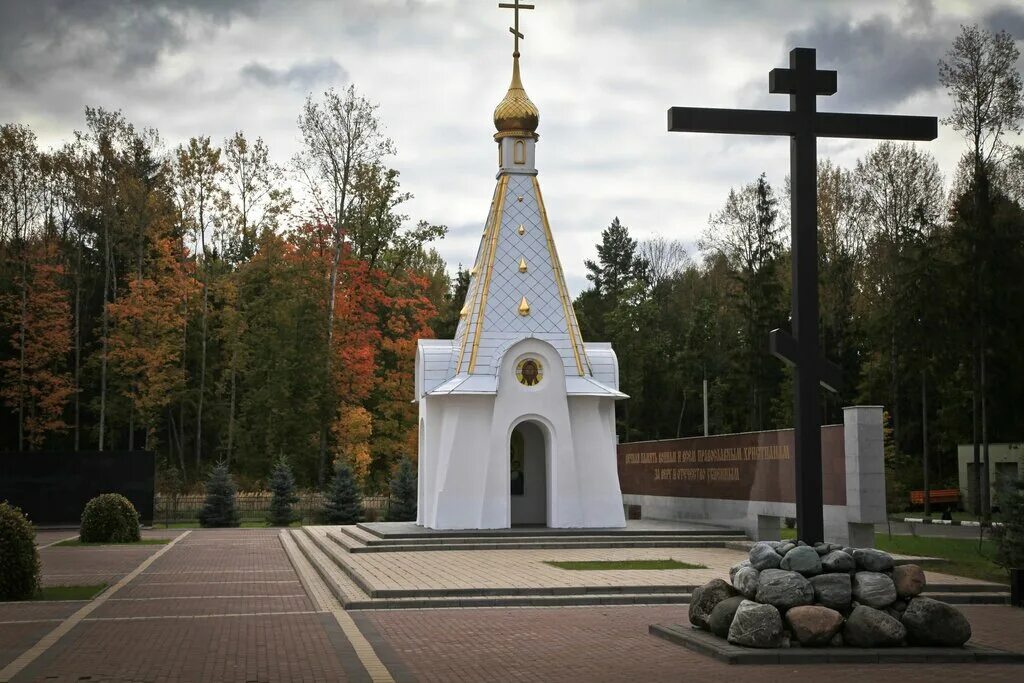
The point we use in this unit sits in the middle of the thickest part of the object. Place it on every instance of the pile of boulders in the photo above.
(790, 594)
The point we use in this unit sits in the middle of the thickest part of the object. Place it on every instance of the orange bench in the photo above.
(947, 496)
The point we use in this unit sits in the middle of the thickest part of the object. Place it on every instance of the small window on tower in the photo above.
(520, 152)
(500, 149)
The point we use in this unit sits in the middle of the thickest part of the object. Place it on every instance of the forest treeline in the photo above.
(921, 285)
(209, 304)
(185, 301)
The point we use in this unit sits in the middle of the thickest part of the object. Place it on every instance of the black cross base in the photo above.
(803, 82)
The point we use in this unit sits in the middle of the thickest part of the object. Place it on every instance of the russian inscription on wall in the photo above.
(748, 466)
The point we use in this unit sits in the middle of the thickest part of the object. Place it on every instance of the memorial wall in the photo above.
(751, 466)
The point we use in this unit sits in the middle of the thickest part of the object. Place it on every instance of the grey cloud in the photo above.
(300, 76)
(881, 62)
(1008, 18)
(39, 38)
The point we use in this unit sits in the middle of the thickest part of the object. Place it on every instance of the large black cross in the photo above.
(803, 82)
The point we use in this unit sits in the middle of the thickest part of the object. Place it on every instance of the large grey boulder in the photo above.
(763, 556)
(745, 581)
(735, 568)
(871, 560)
(867, 627)
(705, 598)
(909, 580)
(756, 625)
(783, 589)
(873, 589)
(813, 624)
(833, 590)
(803, 559)
(930, 622)
(721, 616)
(837, 561)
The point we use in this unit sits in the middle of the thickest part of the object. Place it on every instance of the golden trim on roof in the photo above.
(578, 352)
(522, 264)
(477, 322)
(524, 307)
(477, 281)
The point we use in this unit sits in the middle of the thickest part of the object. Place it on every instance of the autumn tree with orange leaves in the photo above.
(37, 384)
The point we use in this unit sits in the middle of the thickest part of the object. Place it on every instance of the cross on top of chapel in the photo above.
(514, 30)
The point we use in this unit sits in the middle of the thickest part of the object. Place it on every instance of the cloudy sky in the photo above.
(602, 72)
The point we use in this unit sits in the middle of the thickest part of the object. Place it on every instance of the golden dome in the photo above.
(516, 115)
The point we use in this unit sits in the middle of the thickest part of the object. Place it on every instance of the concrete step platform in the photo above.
(325, 549)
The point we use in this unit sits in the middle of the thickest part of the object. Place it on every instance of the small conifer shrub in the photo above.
(282, 488)
(402, 502)
(109, 518)
(19, 559)
(344, 503)
(220, 508)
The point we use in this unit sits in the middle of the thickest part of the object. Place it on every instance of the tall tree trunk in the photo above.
(202, 342)
(986, 498)
(131, 424)
(924, 445)
(103, 349)
(21, 349)
(231, 409)
(331, 294)
(78, 346)
(202, 378)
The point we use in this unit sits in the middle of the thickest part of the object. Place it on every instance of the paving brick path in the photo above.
(218, 606)
(228, 605)
(612, 644)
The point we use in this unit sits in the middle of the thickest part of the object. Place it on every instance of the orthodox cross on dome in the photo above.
(803, 82)
(514, 30)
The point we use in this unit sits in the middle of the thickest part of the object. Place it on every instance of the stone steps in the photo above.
(328, 550)
(522, 601)
(345, 591)
(967, 598)
(533, 532)
(355, 539)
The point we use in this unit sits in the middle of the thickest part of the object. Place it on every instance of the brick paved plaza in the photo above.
(229, 605)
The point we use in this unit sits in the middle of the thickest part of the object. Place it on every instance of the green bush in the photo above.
(1010, 537)
(282, 485)
(109, 518)
(402, 502)
(220, 509)
(344, 503)
(19, 559)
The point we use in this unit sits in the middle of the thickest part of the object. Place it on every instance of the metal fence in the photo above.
(253, 506)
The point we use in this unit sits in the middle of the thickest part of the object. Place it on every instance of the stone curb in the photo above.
(712, 646)
(950, 522)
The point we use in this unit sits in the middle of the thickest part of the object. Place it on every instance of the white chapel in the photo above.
(517, 413)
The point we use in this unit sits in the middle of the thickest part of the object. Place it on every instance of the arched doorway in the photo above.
(528, 475)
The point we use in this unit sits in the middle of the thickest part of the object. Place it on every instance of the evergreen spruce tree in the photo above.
(219, 510)
(282, 486)
(402, 503)
(344, 501)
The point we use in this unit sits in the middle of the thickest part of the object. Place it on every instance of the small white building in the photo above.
(1006, 468)
(517, 414)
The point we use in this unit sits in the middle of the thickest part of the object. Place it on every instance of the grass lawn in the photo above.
(145, 541)
(592, 565)
(71, 592)
(964, 556)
